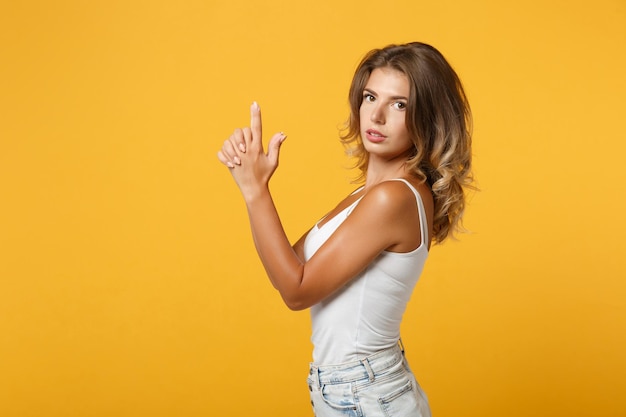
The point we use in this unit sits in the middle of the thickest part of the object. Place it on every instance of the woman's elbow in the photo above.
(294, 295)
(295, 303)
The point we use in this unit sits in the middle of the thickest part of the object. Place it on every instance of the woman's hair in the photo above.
(438, 118)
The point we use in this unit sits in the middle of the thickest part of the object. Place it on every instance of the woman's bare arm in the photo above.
(377, 223)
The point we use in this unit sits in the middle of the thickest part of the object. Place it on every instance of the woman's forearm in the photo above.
(282, 265)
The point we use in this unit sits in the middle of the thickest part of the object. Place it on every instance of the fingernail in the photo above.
(255, 106)
(229, 165)
(282, 137)
(242, 147)
(237, 160)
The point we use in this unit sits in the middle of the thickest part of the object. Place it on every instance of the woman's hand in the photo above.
(243, 154)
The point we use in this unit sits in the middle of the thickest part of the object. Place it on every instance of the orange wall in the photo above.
(128, 282)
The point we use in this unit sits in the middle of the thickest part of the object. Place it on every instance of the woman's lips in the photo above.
(374, 136)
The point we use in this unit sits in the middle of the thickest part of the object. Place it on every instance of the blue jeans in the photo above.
(379, 385)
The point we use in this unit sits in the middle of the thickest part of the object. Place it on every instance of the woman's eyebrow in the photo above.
(372, 92)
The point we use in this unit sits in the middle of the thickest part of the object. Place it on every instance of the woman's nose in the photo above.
(377, 115)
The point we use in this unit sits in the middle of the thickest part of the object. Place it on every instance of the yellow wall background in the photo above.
(129, 285)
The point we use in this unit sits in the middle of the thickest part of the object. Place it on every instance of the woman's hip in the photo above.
(378, 385)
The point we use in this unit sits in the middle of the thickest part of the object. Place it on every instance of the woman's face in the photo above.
(383, 113)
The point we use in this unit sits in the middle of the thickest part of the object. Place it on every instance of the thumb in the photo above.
(273, 148)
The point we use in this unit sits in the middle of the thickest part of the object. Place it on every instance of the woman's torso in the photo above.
(364, 316)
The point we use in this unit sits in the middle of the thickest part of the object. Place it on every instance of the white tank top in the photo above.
(364, 316)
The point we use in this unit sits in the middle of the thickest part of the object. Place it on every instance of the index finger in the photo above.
(255, 122)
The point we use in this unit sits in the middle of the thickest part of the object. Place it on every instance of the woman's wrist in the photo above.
(254, 195)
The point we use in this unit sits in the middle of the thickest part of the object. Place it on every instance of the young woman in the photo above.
(356, 268)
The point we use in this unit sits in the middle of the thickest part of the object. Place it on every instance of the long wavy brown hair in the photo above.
(439, 119)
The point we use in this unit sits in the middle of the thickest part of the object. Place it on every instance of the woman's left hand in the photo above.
(243, 154)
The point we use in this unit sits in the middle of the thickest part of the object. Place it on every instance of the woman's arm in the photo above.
(384, 217)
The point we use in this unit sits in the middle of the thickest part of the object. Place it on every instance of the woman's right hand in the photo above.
(243, 154)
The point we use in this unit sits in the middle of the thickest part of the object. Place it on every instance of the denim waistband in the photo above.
(366, 368)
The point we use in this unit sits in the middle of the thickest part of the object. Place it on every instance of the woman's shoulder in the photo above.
(392, 208)
(398, 197)
(393, 195)
(399, 189)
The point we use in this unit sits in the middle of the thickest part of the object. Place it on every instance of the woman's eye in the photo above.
(399, 105)
(368, 97)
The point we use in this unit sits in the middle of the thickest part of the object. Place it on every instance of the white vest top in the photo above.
(364, 317)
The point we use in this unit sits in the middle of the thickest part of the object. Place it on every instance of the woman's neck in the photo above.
(379, 172)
